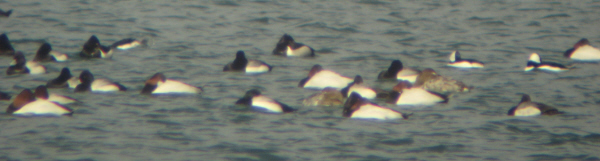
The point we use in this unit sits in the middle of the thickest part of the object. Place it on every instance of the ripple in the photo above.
(372, 2)
(560, 15)
(440, 148)
(174, 135)
(90, 129)
(397, 142)
(226, 3)
(398, 32)
(257, 153)
(245, 119)
(179, 110)
(149, 29)
(561, 157)
(163, 122)
(592, 138)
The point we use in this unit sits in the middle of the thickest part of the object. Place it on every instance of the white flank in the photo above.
(529, 68)
(73, 82)
(551, 68)
(255, 66)
(465, 64)
(528, 111)
(266, 104)
(418, 96)
(327, 78)
(302, 51)
(35, 68)
(173, 86)
(129, 45)
(41, 107)
(586, 52)
(407, 74)
(106, 54)
(103, 85)
(60, 57)
(363, 91)
(60, 99)
(371, 111)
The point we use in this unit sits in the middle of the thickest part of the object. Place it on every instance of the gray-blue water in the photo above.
(190, 41)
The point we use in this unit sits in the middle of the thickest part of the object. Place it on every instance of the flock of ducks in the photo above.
(413, 88)
(42, 103)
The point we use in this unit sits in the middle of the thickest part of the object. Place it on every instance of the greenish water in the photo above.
(190, 41)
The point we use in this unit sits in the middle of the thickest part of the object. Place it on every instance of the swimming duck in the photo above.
(397, 71)
(93, 49)
(288, 47)
(4, 96)
(361, 108)
(45, 53)
(5, 46)
(405, 94)
(582, 50)
(456, 61)
(159, 84)
(5, 14)
(327, 97)
(319, 78)
(21, 66)
(431, 81)
(535, 62)
(359, 87)
(65, 79)
(26, 104)
(256, 100)
(528, 108)
(88, 83)
(41, 92)
(128, 43)
(247, 65)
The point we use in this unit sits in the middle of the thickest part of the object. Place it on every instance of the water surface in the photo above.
(191, 41)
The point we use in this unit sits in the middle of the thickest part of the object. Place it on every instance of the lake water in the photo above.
(191, 41)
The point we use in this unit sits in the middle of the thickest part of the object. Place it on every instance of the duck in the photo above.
(360, 108)
(528, 108)
(26, 104)
(45, 53)
(406, 94)
(319, 78)
(288, 47)
(247, 65)
(256, 100)
(535, 62)
(93, 49)
(326, 97)
(359, 87)
(583, 51)
(64, 79)
(41, 92)
(398, 72)
(4, 96)
(159, 84)
(5, 46)
(88, 83)
(5, 13)
(458, 62)
(429, 80)
(129, 43)
(21, 66)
